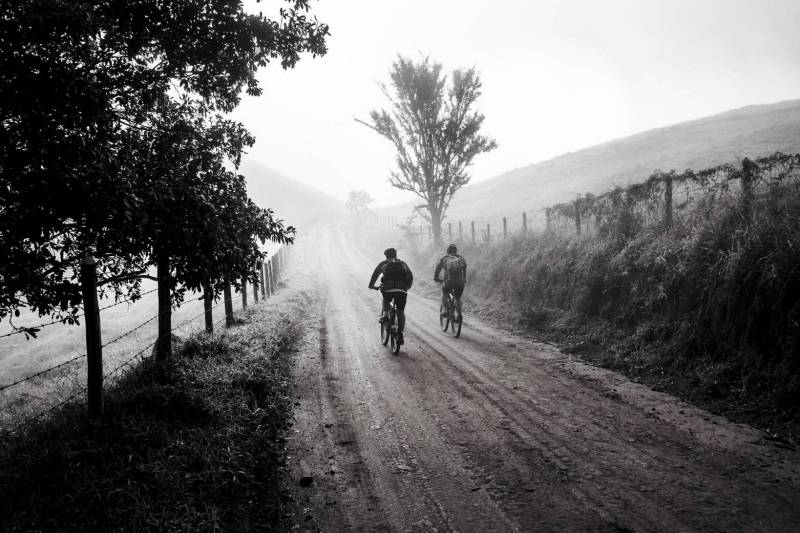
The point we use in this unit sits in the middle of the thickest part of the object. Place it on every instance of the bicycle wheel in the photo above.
(395, 346)
(444, 315)
(456, 326)
(385, 333)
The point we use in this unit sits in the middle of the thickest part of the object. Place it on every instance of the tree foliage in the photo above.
(435, 131)
(358, 201)
(85, 127)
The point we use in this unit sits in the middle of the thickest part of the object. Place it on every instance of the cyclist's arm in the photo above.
(409, 275)
(375, 274)
(439, 268)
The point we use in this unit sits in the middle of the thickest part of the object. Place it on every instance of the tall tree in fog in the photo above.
(435, 130)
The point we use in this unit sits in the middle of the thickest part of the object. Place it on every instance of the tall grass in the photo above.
(708, 307)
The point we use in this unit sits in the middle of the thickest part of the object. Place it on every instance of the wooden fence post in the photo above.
(488, 233)
(505, 228)
(226, 292)
(256, 283)
(164, 340)
(668, 201)
(460, 238)
(547, 214)
(472, 223)
(94, 342)
(262, 275)
(524, 222)
(244, 292)
(749, 170)
(268, 276)
(208, 297)
(578, 216)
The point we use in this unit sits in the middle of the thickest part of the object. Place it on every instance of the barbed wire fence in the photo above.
(662, 200)
(270, 273)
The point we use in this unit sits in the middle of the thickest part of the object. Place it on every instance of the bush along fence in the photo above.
(664, 199)
(269, 274)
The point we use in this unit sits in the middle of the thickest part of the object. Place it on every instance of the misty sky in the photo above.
(558, 76)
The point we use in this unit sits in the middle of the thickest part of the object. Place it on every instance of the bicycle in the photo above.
(447, 315)
(389, 334)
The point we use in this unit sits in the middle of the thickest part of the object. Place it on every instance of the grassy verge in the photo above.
(199, 446)
(708, 310)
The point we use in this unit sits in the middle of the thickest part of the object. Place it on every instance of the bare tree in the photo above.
(435, 131)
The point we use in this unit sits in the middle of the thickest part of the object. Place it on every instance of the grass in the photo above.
(21, 357)
(708, 309)
(198, 445)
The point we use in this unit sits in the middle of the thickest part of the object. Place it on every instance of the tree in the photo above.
(358, 201)
(434, 130)
(77, 80)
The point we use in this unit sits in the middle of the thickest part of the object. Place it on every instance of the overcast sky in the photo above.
(558, 75)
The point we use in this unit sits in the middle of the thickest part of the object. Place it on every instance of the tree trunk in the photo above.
(436, 226)
(164, 342)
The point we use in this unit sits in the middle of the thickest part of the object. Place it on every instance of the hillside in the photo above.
(703, 143)
(297, 204)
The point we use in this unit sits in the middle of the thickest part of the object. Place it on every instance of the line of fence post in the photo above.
(164, 340)
(94, 342)
(262, 275)
(256, 283)
(524, 222)
(226, 295)
(505, 228)
(208, 298)
(748, 172)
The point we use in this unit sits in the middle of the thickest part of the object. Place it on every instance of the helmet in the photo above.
(390, 253)
(452, 249)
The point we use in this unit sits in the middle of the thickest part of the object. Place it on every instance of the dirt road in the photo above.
(492, 432)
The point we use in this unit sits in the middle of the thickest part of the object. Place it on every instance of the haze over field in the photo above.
(557, 77)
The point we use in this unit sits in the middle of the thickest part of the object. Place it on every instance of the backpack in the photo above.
(455, 268)
(394, 275)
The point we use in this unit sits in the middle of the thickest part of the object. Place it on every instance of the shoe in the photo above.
(400, 338)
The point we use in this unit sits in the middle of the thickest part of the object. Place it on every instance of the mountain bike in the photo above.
(389, 334)
(448, 315)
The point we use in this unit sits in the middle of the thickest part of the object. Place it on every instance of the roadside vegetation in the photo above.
(707, 309)
(199, 446)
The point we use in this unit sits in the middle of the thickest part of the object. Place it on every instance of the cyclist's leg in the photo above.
(400, 302)
(387, 297)
(458, 290)
(444, 298)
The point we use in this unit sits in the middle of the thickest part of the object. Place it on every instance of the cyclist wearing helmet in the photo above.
(455, 276)
(397, 279)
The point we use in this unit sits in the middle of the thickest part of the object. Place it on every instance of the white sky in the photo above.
(558, 75)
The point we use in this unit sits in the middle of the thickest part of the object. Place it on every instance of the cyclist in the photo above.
(397, 279)
(455, 277)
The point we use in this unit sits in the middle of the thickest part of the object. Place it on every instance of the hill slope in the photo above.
(749, 131)
(296, 203)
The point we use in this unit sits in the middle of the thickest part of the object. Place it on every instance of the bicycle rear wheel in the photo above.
(395, 344)
(385, 333)
(456, 325)
(444, 317)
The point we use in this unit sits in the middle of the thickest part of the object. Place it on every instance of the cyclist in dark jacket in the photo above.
(395, 281)
(455, 277)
